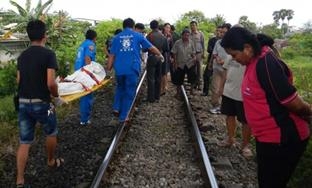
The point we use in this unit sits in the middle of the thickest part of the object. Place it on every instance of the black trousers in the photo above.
(277, 162)
(153, 72)
(206, 78)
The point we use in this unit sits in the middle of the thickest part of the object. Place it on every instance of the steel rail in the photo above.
(207, 171)
(113, 146)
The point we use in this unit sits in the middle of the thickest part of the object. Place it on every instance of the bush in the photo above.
(66, 59)
(8, 83)
(301, 67)
(7, 111)
(301, 44)
(288, 53)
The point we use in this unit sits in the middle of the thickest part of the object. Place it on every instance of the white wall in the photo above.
(5, 57)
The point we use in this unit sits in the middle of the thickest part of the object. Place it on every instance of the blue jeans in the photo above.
(31, 113)
(125, 93)
(86, 103)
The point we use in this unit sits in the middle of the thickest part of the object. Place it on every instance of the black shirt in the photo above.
(32, 65)
(158, 40)
(211, 44)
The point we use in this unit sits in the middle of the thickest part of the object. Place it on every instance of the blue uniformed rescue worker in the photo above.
(85, 54)
(125, 58)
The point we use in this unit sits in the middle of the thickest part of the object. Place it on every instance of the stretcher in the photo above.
(72, 97)
(83, 81)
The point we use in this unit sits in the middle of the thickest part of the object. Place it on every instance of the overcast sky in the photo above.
(258, 11)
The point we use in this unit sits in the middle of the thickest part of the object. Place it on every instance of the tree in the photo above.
(6, 17)
(289, 15)
(218, 20)
(281, 15)
(251, 26)
(271, 30)
(276, 17)
(194, 15)
(308, 27)
(64, 37)
(25, 14)
(105, 30)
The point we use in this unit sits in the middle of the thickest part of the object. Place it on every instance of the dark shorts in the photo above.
(31, 113)
(179, 75)
(231, 107)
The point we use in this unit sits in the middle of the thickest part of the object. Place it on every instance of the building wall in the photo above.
(5, 56)
(11, 49)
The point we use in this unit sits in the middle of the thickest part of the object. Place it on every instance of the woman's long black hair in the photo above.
(237, 37)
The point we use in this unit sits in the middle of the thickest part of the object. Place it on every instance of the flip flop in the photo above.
(58, 162)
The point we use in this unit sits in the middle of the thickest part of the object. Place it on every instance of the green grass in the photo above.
(302, 71)
(7, 111)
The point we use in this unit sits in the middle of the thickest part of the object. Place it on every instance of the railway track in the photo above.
(162, 153)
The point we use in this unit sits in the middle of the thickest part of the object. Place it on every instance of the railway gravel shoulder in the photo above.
(82, 147)
(230, 167)
(158, 150)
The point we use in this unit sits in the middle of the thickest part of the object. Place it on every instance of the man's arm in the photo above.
(87, 60)
(300, 107)
(52, 85)
(111, 59)
(155, 51)
(89, 54)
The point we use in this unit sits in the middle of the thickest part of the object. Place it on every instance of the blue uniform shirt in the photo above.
(126, 48)
(87, 48)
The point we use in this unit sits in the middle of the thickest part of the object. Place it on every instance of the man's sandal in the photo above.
(58, 162)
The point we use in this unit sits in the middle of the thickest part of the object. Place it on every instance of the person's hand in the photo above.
(58, 101)
(161, 57)
(220, 61)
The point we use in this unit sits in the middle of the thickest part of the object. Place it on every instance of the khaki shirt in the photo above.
(198, 40)
(184, 51)
(219, 51)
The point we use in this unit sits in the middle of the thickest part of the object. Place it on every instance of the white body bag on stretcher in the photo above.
(82, 80)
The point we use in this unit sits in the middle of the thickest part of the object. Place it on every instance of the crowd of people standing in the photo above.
(250, 84)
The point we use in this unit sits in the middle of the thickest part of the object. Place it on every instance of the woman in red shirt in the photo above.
(276, 114)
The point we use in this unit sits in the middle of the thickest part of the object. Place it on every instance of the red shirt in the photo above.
(266, 88)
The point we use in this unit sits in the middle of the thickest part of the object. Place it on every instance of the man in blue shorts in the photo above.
(126, 60)
(36, 68)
